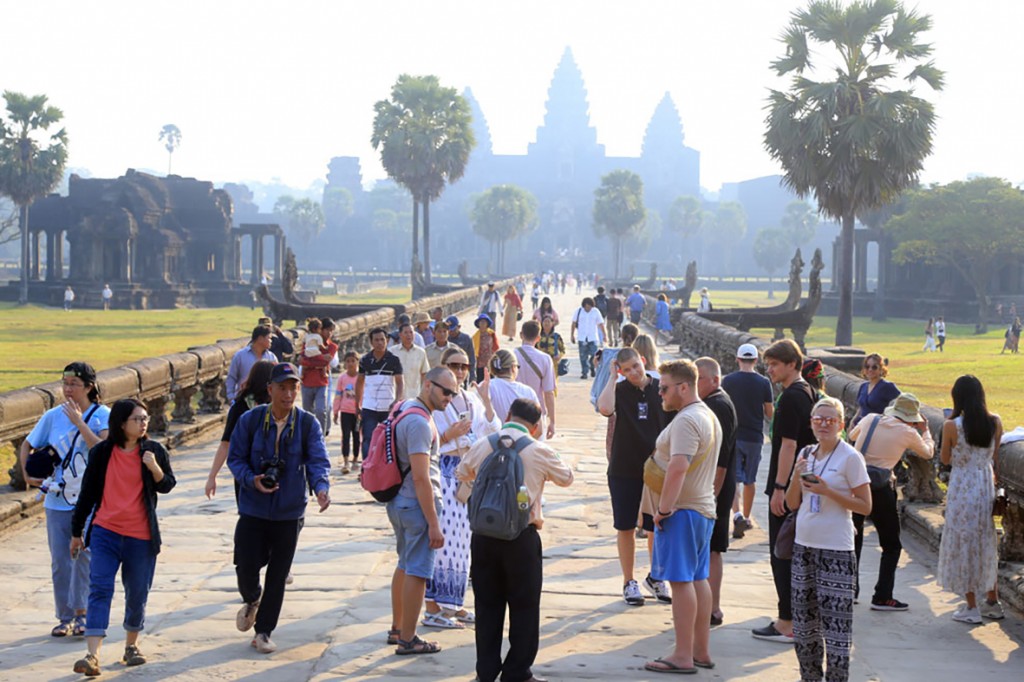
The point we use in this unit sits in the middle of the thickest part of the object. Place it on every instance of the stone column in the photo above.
(58, 254)
(236, 265)
(878, 312)
(860, 266)
(835, 265)
(255, 277)
(33, 272)
(259, 256)
(50, 273)
(278, 259)
(183, 411)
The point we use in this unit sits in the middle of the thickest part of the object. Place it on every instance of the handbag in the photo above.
(563, 367)
(786, 538)
(42, 462)
(881, 477)
(654, 475)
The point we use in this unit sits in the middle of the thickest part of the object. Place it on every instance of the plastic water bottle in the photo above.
(523, 498)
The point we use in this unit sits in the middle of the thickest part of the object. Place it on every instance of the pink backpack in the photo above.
(381, 475)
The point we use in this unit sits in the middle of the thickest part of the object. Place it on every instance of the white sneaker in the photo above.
(659, 589)
(631, 594)
(247, 616)
(992, 611)
(966, 615)
(263, 644)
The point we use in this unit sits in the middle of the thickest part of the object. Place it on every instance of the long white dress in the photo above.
(447, 587)
(968, 555)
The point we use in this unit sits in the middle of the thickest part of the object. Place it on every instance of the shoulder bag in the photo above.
(786, 538)
(880, 476)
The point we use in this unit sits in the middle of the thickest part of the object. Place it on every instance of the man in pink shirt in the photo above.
(537, 370)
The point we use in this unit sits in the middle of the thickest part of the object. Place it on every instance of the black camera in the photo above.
(271, 470)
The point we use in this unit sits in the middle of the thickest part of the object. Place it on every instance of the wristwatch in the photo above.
(780, 486)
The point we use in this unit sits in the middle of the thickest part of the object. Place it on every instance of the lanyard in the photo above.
(513, 425)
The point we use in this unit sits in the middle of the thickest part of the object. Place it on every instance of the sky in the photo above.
(263, 90)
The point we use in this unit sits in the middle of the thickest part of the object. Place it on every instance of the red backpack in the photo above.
(381, 475)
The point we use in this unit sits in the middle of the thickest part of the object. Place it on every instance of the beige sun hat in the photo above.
(907, 407)
(420, 317)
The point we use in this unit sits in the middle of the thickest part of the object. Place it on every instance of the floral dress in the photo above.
(968, 556)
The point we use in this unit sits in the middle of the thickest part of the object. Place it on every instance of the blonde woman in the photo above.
(644, 345)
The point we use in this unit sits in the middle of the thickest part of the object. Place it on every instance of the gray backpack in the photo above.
(493, 507)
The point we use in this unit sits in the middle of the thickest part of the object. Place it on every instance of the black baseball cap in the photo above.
(284, 371)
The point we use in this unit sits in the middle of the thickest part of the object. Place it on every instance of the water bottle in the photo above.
(523, 498)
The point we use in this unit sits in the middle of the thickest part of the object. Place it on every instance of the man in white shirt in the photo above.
(588, 325)
(537, 370)
(413, 359)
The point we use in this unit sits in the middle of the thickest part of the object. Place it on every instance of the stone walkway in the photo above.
(337, 612)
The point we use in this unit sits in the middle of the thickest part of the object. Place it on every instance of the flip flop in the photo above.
(704, 664)
(439, 620)
(670, 667)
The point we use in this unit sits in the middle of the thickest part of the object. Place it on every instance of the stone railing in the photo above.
(699, 337)
(192, 382)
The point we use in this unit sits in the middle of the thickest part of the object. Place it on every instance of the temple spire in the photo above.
(567, 116)
(480, 130)
(664, 136)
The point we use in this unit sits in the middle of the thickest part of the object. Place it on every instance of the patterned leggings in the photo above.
(823, 585)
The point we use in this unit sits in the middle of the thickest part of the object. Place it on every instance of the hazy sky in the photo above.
(266, 89)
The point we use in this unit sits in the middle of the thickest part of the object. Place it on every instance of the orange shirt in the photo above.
(122, 510)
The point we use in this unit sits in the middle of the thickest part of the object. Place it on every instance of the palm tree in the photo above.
(502, 213)
(771, 246)
(799, 223)
(424, 135)
(686, 216)
(29, 171)
(852, 142)
(619, 209)
(727, 226)
(171, 137)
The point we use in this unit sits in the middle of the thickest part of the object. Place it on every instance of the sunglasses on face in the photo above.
(824, 421)
(870, 366)
(458, 365)
(663, 388)
(447, 391)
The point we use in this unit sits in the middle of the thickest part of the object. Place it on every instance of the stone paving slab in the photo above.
(337, 612)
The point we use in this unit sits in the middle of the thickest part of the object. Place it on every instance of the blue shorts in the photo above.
(748, 459)
(415, 556)
(682, 548)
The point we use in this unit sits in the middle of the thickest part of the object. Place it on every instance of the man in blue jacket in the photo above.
(277, 453)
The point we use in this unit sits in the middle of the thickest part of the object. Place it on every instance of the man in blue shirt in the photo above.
(258, 349)
(635, 303)
(277, 453)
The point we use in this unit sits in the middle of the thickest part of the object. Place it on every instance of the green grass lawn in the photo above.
(381, 296)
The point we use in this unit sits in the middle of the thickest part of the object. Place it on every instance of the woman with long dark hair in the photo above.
(252, 393)
(544, 310)
(71, 428)
(968, 555)
(125, 473)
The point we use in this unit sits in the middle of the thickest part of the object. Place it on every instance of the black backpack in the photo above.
(494, 509)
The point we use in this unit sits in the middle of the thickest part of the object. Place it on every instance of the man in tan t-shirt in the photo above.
(684, 515)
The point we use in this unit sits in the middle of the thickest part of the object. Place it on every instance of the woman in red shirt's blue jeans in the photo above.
(125, 473)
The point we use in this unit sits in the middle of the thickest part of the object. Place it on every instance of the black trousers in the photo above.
(349, 432)
(507, 573)
(259, 543)
(886, 517)
(782, 569)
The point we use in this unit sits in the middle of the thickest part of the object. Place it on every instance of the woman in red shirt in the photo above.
(125, 473)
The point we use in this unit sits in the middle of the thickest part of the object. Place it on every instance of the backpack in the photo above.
(381, 476)
(494, 509)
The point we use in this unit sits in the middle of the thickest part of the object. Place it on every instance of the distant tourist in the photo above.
(242, 361)
(253, 393)
(601, 302)
(636, 303)
(940, 332)
(877, 392)
(751, 395)
(551, 343)
(538, 370)
(1012, 337)
(107, 295)
(490, 303)
(463, 341)
(440, 344)
(504, 388)
(316, 373)
(929, 335)
(534, 295)
(613, 320)
(421, 325)
(662, 321)
(380, 382)
(830, 483)
(485, 343)
(513, 313)
(69, 298)
(705, 301)
(413, 359)
(125, 473)
(968, 552)
(588, 327)
(280, 344)
(346, 408)
(546, 310)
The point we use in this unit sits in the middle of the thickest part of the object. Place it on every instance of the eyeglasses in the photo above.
(447, 391)
(143, 419)
(824, 421)
(663, 388)
(871, 367)
(458, 365)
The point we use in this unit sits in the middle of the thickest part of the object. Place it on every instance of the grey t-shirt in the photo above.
(415, 434)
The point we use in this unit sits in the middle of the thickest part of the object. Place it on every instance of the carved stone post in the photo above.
(213, 397)
(278, 258)
(1011, 547)
(922, 485)
(157, 408)
(255, 277)
(183, 412)
(17, 482)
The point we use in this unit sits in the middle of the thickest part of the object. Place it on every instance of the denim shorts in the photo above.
(748, 459)
(682, 548)
(415, 556)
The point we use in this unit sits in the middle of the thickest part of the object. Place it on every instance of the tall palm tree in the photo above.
(852, 142)
(424, 135)
(619, 209)
(503, 213)
(29, 171)
(170, 135)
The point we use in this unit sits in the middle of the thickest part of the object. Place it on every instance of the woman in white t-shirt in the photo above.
(829, 484)
(504, 388)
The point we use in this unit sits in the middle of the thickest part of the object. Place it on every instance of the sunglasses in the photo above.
(447, 391)
(871, 367)
(824, 421)
(663, 388)
(458, 365)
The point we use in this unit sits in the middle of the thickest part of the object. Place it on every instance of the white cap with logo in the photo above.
(747, 351)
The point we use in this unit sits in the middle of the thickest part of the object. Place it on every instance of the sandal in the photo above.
(79, 628)
(465, 616)
(393, 636)
(62, 629)
(416, 646)
(440, 620)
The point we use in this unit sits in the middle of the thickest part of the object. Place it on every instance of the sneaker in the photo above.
(966, 615)
(770, 634)
(345, 469)
(246, 617)
(132, 656)
(290, 579)
(889, 605)
(88, 666)
(739, 526)
(992, 611)
(631, 593)
(263, 644)
(659, 589)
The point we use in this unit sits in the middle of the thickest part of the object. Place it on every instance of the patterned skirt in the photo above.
(451, 563)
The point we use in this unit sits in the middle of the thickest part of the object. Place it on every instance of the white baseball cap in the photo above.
(747, 351)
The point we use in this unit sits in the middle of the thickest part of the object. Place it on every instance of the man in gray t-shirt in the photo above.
(414, 513)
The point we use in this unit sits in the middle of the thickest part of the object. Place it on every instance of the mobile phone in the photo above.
(463, 416)
(809, 477)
